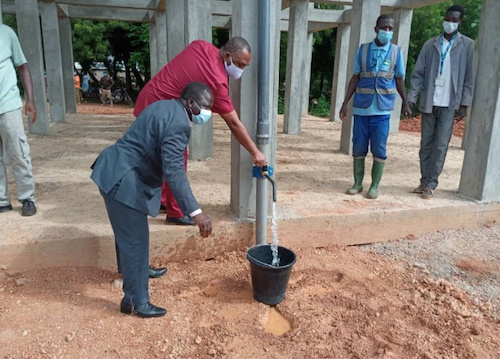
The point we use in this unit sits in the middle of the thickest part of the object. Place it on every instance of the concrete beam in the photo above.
(414, 4)
(8, 7)
(107, 13)
(53, 62)
(219, 7)
(221, 22)
(385, 3)
(28, 28)
(67, 63)
(402, 29)
(117, 4)
(481, 167)
(363, 17)
(295, 65)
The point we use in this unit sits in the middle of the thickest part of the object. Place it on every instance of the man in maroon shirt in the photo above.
(203, 62)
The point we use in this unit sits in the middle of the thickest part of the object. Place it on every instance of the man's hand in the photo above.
(407, 109)
(204, 222)
(343, 112)
(461, 113)
(30, 109)
(259, 159)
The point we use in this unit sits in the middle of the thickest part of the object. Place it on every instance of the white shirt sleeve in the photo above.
(195, 213)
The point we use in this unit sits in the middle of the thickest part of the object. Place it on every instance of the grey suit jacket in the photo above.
(427, 67)
(152, 149)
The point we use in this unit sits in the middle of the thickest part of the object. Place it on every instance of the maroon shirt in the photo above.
(199, 61)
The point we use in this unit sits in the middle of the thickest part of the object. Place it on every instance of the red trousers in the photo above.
(168, 199)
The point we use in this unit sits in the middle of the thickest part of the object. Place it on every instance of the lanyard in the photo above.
(443, 55)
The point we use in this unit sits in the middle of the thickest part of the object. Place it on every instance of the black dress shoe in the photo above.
(6, 208)
(147, 310)
(156, 272)
(29, 208)
(184, 221)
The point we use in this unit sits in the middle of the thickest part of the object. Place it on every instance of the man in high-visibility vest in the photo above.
(378, 75)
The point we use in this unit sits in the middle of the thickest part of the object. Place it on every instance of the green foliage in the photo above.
(322, 107)
(10, 21)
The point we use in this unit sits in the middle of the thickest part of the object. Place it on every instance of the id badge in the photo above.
(439, 82)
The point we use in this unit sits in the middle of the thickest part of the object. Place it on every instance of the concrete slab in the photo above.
(72, 228)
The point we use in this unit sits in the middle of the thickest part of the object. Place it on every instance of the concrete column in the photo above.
(244, 96)
(175, 27)
(1, 21)
(295, 65)
(198, 26)
(307, 71)
(481, 167)
(161, 38)
(274, 76)
(198, 20)
(340, 78)
(364, 15)
(153, 49)
(53, 62)
(28, 27)
(402, 29)
(66, 43)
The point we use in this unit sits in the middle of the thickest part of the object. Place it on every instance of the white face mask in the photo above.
(450, 27)
(232, 70)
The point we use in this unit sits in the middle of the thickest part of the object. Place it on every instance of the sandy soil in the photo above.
(432, 296)
(341, 302)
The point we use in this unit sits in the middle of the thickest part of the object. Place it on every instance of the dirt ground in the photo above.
(426, 296)
(342, 302)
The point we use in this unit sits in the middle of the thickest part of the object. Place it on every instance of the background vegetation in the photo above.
(112, 41)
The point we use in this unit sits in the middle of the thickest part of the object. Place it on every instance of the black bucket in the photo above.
(269, 282)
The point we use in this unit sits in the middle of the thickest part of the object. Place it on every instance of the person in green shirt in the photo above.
(13, 142)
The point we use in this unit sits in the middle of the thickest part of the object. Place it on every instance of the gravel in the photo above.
(468, 258)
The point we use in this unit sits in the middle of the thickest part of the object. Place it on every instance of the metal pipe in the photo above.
(264, 37)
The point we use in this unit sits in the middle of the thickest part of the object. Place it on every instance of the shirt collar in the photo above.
(383, 47)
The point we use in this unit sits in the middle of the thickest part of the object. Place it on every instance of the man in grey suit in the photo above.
(444, 78)
(130, 175)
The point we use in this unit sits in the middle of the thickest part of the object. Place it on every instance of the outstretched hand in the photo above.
(259, 159)
(204, 222)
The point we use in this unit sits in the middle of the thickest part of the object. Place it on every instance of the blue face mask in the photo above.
(384, 36)
(203, 117)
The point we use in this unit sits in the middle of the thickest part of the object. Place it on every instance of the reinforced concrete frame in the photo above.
(174, 23)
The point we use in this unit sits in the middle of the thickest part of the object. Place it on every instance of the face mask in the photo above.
(232, 70)
(450, 27)
(384, 36)
(203, 117)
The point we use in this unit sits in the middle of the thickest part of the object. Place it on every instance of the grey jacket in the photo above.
(151, 149)
(427, 67)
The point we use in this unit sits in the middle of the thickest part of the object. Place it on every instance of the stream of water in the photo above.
(274, 243)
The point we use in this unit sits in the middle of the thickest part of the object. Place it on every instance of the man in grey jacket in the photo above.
(130, 175)
(444, 78)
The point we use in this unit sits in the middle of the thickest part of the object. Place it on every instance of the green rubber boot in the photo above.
(359, 173)
(377, 169)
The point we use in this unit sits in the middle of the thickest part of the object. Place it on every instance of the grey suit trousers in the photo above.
(132, 247)
(436, 131)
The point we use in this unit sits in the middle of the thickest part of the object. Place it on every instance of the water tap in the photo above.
(265, 174)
